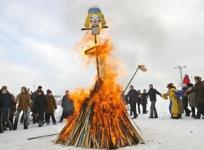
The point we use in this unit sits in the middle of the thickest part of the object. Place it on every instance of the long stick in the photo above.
(43, 136)
(97, 60)
(130, 80)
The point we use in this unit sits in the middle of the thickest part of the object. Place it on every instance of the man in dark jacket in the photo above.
(132, 98)
(39, 106)
(185, 101)
(67, 106)
(152, 93)
(139, 102)
(1, 112)
(6, 100)
(33, 98)
(144, 101)
(199, 91)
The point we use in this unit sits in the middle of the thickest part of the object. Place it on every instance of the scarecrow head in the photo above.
(94, 18)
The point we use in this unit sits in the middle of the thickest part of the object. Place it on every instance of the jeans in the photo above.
(25, 118)
(133, 109)
(1, 121)
(153, 110)
(6, 119)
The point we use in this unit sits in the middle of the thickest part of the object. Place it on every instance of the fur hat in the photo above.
(171, 85)
(197, 78)
(49, 91)
(4, 88)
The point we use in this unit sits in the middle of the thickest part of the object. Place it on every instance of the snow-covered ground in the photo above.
(159, 134)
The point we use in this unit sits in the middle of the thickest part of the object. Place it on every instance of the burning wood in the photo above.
(101, 120)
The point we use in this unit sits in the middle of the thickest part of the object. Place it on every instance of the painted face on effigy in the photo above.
(95, 20)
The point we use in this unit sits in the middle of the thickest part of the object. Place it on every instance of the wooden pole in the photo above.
(97, 59)
(130, 81)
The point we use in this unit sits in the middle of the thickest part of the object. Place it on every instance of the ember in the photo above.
(101, 119)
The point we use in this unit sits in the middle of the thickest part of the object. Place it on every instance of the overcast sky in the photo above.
(37, 39)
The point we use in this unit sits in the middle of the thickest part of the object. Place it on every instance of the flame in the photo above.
(101, 105)
(109, 71)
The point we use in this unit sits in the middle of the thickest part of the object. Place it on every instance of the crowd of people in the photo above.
(191, 95)
(38, 105)
(41, 107)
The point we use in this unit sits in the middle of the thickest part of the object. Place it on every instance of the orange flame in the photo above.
(109, 70)
(102, 106)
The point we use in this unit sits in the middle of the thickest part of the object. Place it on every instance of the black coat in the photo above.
(6, 101)
(144, 98)
(133, 96)
(67, 105)
(153, 94)
(39, 105)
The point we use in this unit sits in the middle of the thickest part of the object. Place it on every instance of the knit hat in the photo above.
(4, 88)
(49, 91)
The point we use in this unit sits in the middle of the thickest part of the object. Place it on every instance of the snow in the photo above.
(163, 133)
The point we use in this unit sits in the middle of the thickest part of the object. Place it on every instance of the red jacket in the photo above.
(186, 80)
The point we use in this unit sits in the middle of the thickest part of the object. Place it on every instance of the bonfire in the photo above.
(100, 119)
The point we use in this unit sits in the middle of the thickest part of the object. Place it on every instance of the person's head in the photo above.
(23, 90)
(49, 92)
(4, 89)
(40, 92)
(139, 91)
(144, 90)
(170, 85)
(190, 85)
(151, 86)
(39, 87)
(197, 79)
(131, 87)
(67, 92)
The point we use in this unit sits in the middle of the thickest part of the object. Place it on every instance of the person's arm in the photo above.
(62, 103)
(127, 97)
(158, 93)
(29, 101)
(54, 101)
(17, 99)
(193, 89)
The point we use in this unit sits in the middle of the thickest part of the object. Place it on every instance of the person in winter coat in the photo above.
(139, 101)
(152, 93)
(186, 79)
(23, 100)
(13, 110)
(6, 100)
(33, 98)
(144, 101)
(199, 93)
(176, 108)
(185, 101)
(50, 108)
(39, 107)
(192, 100)
(1, 113)
(67, 106)
(132, 98)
